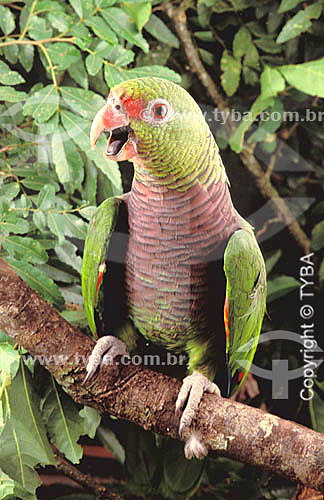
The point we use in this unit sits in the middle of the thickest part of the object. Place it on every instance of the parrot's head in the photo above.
(156, 124)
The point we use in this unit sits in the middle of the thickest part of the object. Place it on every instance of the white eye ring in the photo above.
(152, 113)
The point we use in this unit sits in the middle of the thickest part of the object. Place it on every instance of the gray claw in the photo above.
(193, 388)
(105, 351)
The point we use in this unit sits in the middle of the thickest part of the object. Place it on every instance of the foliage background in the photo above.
(57, 62)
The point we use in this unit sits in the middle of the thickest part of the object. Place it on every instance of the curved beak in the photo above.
(121, 144)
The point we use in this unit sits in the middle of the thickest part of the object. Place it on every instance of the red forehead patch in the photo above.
(132, 106)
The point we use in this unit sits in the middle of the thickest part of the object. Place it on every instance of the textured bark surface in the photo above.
(147, 398)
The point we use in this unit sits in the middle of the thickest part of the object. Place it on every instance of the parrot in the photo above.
(177, 264)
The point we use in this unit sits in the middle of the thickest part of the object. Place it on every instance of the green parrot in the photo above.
(181, 268)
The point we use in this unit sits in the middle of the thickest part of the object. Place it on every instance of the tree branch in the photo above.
(147, 398)
(179, 18)
(85, 480)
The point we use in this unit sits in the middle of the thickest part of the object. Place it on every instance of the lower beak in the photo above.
(121, 144)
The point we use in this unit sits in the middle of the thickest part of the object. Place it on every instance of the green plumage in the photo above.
(188, 250)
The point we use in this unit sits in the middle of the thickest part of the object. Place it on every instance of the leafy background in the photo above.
(58, 60)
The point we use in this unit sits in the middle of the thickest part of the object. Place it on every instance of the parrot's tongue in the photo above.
(117, 140)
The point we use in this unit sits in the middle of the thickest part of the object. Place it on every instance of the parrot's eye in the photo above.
(160, 111)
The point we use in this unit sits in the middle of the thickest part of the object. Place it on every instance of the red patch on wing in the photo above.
(133, 107)
(102, 269)
(226, 318)
(241, 375)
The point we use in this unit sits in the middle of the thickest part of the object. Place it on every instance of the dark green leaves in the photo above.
(63, 54)
(300, 22)
(157, 28)
(119, 21)
(7, 20)
(67, 160)
(43, 104)
(24, 443)
(307, 77)
(9, 77)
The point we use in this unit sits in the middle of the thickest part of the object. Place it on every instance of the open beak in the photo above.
(121, 144)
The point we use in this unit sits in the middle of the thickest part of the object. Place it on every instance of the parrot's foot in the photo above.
(105, 351)
(193, 388)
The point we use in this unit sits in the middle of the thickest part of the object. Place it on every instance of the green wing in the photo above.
(100, 229)
(246, 297)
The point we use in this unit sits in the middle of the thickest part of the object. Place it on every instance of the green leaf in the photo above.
(157, 28)
(89, 191)
(306, 77)
(242, 43)
(24, 248)
(230, 77)
(111, 443)
(139, 12)
(63, 54)
(67, 253)
(67, 160)
(268, 125)
(9, 191)
(43, 104)
(38, 181)
(79, 130)
(58, 274)
(13, 224)
(37, 280)
(61, 21)
(84, 102)
(288, 5)
(94, 64)
(79, 74)
(11, 53)
(76, 318)
(205, 36)
(114, 75)
(280, 286)
(46, 197)
(11, 489)
(259, 105)
(317, 240)
(251, 58)
(122, 24)
(120, 56)
(9, 77)
(82, 7)
(207, 57)
(73, 294)
(24, 443)
(26, 56)
(300, 22)
(102, 29)
(63, 422)
(272, 82)
(91, 420)
(11, 95)
(68, 225)
(274, 18)
(7, 20)
(268, 45)
(39, 29)
(9, 360)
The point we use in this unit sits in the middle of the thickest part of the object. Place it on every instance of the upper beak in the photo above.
(106, 119)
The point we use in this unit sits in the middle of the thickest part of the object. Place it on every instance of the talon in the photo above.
(193, 388)
(105, 351)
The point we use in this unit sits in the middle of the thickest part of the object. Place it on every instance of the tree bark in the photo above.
(147, 398)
